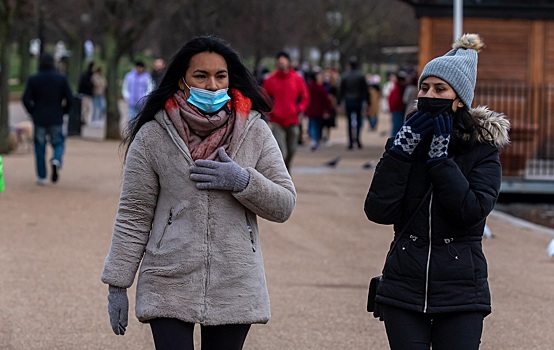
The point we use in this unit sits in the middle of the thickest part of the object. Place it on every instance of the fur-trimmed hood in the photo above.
(495, 123)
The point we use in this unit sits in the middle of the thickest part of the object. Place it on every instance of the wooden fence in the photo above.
(530, 110)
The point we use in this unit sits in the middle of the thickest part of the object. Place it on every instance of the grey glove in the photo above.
(224, 175)
(118, 309)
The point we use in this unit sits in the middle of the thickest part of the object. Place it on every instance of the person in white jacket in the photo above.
(201, 165)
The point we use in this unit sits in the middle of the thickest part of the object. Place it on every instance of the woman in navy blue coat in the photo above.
(437, 181)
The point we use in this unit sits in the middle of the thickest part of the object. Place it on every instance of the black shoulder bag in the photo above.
(374, 282)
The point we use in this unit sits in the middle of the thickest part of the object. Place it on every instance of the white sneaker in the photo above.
(42, 182)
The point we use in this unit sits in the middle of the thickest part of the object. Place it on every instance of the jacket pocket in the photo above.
(168, 223)
(453, 261)
(407, 259)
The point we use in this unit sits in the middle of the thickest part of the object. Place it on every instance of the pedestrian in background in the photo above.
(47, 97)
(201, 165)
(99, 85)
(373, 110)
(318, 109)
(290, 97)
(437, 182)
(158, 70)
(85, 90)
(409, 96)
(353, 92)
(137, 84)
(330, 77)
(396, 104)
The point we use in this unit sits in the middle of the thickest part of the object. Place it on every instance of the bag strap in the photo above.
(411, 218)
(415, 212)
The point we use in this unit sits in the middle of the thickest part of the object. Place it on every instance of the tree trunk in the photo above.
(74, 62)
(112, 90)
(25, 56)
(4, 87)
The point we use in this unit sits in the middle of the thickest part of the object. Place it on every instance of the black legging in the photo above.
(171, 334)
(408, 330)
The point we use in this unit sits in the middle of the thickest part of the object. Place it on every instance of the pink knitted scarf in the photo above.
(205, 134)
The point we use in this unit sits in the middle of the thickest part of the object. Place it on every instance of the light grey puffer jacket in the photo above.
(200, 249)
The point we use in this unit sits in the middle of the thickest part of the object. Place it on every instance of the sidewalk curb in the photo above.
(521, 223)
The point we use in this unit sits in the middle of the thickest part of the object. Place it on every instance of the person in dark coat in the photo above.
(353, 91)
(47, 97)
(437, 181)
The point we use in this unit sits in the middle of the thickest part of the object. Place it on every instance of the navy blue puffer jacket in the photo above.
(437, 265)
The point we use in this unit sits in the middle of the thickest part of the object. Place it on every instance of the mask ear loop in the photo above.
(182, 89)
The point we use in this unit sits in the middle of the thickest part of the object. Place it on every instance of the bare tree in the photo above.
(123, 23)
(256, 28)
(9, 11)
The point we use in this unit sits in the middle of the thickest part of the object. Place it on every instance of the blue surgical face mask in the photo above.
(207, 101)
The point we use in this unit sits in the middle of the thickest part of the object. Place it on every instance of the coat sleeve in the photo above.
(270, 192)
(139, 194)
(385, 198)
(471, 198)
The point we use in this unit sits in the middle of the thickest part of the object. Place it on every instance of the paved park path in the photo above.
(53, 241)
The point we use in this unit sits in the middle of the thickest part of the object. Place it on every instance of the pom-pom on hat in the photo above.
(458, 67)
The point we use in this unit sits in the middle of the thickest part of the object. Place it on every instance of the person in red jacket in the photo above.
(290, 97)
(396, 105)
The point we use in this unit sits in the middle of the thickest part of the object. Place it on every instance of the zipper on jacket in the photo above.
(428, 257)
(252, 241)
(207, 263)
(167, 223)
(250, 232)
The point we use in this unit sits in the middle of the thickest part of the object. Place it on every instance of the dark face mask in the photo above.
(435, 106)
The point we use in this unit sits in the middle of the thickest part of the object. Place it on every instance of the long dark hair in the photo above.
(466, 130)
(240, 78)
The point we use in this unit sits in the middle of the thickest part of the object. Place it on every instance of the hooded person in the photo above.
(437, 182)
(47, 97)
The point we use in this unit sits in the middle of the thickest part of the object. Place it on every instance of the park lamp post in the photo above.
(458, 18)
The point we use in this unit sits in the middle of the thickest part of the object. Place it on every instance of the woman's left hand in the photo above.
(224, 175)
(442, 130)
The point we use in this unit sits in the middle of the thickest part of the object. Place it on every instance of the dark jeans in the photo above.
(315, 127)
(55, 136)
(409, 330)
(171, 334)
(353, 109)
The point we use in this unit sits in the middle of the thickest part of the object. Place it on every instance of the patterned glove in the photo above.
(224, 175)
(438, 150)
(412, 132)
(118, 309)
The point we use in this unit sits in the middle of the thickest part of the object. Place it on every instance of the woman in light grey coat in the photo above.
(201, 165)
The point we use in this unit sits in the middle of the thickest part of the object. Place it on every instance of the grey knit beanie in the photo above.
(458, 67)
